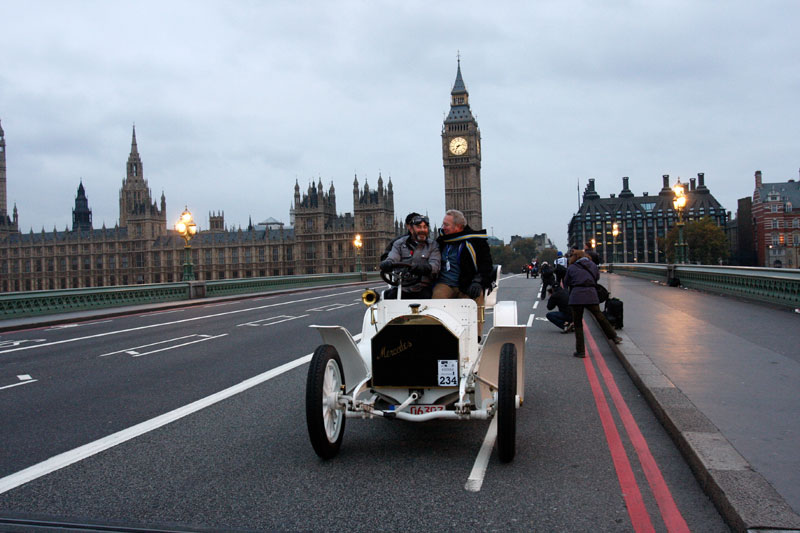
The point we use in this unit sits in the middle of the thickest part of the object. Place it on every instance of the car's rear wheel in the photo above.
(324, 416)
(507, 403)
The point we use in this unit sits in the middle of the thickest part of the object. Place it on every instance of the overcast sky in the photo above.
(234, 101)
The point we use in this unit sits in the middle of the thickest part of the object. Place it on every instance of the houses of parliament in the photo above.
(142, 248)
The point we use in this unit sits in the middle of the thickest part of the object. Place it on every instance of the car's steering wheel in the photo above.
(400, 275)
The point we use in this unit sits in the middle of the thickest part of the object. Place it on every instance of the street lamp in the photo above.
(187, 229)
(614, 232)
(679, 204)
(358, 244)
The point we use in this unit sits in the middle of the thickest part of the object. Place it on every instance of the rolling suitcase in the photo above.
(613, 312)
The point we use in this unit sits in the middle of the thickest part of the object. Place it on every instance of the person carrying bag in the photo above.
(581, 279)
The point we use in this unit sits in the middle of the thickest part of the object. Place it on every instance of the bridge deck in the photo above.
(725, 374)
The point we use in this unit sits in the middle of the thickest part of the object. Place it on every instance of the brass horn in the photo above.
(369, 297)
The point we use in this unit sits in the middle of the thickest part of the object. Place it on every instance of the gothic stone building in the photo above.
(641, 220)
(142, 248)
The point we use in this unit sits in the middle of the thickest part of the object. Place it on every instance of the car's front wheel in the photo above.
(324, 416)
(507, 403)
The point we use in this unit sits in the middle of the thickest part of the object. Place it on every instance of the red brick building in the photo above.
(776, 220)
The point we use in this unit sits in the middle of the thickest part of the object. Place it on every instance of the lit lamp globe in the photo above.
(187, 229)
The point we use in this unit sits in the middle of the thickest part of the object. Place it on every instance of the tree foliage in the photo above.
(523, 251)
(706, 242)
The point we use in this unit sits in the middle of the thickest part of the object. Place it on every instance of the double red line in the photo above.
(637, 510)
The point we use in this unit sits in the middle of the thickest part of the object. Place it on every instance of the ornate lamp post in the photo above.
(187, 229)
(358, 244)
(679, 203)
(614, 232)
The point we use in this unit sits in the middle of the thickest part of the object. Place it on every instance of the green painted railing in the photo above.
(251, 285)
(34, 303)
(21, 304)
(779, 286)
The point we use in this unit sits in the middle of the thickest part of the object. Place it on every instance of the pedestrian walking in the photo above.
(582, 278)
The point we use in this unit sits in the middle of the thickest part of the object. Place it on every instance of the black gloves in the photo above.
(475, 290)
(421, 269)
(386, 265)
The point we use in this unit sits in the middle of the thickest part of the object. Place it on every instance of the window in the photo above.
(775, 240)
(796, 239)
(275, 254)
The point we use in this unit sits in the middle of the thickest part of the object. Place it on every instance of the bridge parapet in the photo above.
(771, 285)
(37, 303)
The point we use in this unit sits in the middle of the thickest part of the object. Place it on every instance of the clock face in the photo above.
(458, 146)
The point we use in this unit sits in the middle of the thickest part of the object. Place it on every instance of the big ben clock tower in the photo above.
(461, 154)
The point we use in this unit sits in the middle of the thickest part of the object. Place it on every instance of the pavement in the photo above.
(723, 376)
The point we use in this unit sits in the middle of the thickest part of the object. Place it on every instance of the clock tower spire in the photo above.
(461, 155)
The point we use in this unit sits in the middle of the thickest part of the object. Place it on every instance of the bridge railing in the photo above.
(779, 286)
(34, 303)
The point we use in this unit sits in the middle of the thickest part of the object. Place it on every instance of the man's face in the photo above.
(420, 231)
(448, 226)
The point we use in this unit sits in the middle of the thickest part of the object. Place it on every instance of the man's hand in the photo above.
(386, 265)
(421, 269)
(475, 290)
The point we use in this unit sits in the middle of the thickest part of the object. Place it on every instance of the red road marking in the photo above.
(637, 511)
(670, 513)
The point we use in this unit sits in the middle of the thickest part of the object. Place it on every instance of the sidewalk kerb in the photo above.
(744, 498)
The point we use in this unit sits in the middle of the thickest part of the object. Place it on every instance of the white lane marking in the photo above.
(68, 326)
(24, 380)
(10, 342)
(87, 450)
(204, 339)
(536, 304)
(530, 319)
(331, 307)
(542, 318)
(475, 480)
(132, 349)
(285, 318)
(166, 323)
(156, 313)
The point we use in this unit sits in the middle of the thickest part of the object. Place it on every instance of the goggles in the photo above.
(419, 220)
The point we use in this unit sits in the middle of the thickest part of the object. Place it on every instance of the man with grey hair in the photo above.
(466, 270)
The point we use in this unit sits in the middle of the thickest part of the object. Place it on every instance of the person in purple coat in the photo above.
(582, 275)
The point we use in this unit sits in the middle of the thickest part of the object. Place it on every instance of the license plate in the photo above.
(422, 409)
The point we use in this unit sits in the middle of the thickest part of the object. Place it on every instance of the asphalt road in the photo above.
(124, 422)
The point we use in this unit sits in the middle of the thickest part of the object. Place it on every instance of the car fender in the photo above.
(490, 357)
(354, 368)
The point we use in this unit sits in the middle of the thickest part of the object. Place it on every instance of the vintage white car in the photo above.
(418, 360)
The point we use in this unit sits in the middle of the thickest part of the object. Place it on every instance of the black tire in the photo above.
(325, 425)
(507, 403)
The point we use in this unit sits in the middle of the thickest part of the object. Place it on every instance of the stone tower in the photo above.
(461, 154)
(81, 214)
(137, 211)
(7, 224)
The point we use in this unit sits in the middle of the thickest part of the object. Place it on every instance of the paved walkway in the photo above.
(724, 376)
